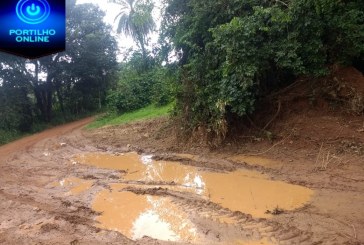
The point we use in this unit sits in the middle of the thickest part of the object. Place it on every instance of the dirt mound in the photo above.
(351, 76)
(310, 112)
(342, 90)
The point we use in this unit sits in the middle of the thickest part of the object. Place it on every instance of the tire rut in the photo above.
(250, 227)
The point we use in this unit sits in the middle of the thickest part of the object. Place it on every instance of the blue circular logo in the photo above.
(33, 11)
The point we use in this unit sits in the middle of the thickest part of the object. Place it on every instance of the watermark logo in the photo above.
(32, 28)
(33, 11)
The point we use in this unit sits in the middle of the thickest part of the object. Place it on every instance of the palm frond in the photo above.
(135, 20)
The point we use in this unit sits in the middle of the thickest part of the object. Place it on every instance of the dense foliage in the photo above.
(61, 86)
(142, 78)
(232, 52)
(142, 81)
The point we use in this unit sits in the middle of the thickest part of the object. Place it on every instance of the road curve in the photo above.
(27, 142)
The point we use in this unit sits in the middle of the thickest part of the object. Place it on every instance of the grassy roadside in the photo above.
(9, 136)
(148, 112)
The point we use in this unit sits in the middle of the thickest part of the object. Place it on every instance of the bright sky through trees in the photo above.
(112, 10)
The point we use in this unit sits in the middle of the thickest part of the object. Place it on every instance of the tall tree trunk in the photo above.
(61, 103)
(100, 105)
(49, 106)
(142, 46)
(38, 91)
(43, 94)
(44, 101)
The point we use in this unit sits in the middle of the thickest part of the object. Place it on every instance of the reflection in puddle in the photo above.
(143, 168)
(142, 215)
(243, 190)
(77, 185)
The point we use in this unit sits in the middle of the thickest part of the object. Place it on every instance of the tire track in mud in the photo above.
(228, 165)
(275, 232)
(248, 227)
(35, 214)
(208, 216)
(77, 215)
(243, 224)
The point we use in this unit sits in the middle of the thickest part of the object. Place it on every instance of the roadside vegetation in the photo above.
(149, 112)
(216, 62)
(36, 94)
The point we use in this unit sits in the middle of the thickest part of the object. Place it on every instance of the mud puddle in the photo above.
(76, 186)
(143, 168)
(142, 215)
(134, 215)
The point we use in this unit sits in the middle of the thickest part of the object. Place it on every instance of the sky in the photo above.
(112, 10)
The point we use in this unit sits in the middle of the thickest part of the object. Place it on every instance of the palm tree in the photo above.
(135, 20)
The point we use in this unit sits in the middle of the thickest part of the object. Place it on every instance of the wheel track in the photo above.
(250, 227)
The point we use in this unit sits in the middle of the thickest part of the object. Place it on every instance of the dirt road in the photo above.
(31, 213)
(115, 186)
(27, 142)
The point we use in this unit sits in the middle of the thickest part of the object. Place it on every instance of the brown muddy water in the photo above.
(136, 216)
(75, 185)
(142, 215)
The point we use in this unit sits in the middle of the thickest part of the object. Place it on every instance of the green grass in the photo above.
(148, 112)
(9, 136)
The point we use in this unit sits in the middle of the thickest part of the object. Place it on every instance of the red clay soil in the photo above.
(319, 145)
(315, 145)
(27, 142)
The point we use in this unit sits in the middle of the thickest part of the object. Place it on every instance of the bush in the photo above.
(164, 85)
(7, 136)
(230, 58)
(141, 83)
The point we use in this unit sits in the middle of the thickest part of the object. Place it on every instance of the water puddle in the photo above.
(136, 215)
(142, 215)
(253, 193)
(255, 160)
(77, 185)
(143, 168)
(128, 161)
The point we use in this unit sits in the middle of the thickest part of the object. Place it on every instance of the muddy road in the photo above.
(111, 186)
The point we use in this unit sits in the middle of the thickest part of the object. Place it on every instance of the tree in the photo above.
(69, 82)
(15, 105)
(232, 53)
(91, 61)
(136, 20)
